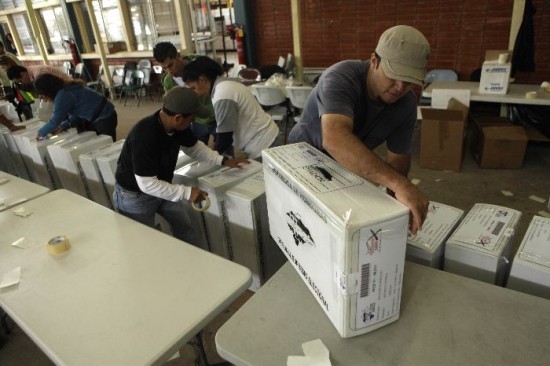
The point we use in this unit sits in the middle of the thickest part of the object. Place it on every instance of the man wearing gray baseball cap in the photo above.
(358, 105)
(148, 158)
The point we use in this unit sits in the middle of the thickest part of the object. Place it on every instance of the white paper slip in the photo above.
(11, 278)
(537, 198)
(316, 354)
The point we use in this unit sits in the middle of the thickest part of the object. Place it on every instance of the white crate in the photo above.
(94, 179)
(530, 271)
(65, 158)
(44, 170)
(216, 219)
(107, 166)
(189, 175)
(345, 237)
(14, 153)
(20, 138)
(427, 247)
(252, 244)
(481, 246)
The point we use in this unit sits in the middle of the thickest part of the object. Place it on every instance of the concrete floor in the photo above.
(462, 190)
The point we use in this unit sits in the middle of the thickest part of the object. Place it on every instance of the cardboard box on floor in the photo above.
(442, 136)
(495, 72)
(496, 143)
(530, 271)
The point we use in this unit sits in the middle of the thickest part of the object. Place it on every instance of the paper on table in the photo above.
(316, 354)
(23, 243)
(11, 278)
(22, 211)
(441, 97)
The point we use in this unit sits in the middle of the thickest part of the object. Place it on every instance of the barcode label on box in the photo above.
(365, 280)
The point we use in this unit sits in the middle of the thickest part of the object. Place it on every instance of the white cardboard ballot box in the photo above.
(344, 236)
(189, 175)
(88, 162)
(216, 219)
(16, 157)
(530, 271)
(107, 166)
(252, 244)
(65, 158)
(427, 247)
(44, 170)
(481, 247)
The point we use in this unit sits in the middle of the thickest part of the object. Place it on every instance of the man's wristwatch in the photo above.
(224, 160)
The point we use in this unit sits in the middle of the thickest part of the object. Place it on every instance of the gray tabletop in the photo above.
(445, 320)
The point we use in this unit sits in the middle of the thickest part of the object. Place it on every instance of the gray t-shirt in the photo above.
(342, 89)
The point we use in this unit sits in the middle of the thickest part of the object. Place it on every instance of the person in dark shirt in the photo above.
(148, 159)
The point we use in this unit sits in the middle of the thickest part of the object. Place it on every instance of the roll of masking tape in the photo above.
(204, 205)
(59, 244)
(531, 95)
(502, 58)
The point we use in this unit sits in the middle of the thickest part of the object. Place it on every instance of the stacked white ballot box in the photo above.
(189, 175)
(15, 155)
(6, 164)
(65, 158)
(44, 170)
(20, 139)
(530, 271)
(252, 244)
(481, 247)
(88, 161)
(216, 219)
(183, 160)
(344, 236)
(107, 167)
(427, 247)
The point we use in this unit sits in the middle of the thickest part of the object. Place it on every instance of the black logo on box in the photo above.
(300, 232)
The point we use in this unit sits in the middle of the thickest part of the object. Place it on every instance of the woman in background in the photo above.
(79, 105)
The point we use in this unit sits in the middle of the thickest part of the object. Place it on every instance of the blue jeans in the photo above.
(143, 207)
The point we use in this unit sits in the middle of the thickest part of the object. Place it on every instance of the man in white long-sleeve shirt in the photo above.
(146, 165)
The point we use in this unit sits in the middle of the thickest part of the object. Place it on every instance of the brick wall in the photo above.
(459, 31)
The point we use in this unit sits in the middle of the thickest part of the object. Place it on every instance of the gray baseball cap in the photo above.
(182, 100)
(404, 52)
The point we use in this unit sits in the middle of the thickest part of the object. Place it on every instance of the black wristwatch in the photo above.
(224, 160)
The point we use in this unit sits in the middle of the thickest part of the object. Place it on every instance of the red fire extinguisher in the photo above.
(239, 37)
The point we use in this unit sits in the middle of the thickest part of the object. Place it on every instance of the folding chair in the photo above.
(273, 100)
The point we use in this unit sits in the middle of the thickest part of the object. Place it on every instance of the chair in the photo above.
(134, 86)
(273, 100)
(157, 86)
(146, 81)
(268, 70)
(142, 64)
(234, 72)
(437, 74)
(79, 71)
(98, 84)
(249, 76)
(68, 67)
(298, 97)
(440, 74)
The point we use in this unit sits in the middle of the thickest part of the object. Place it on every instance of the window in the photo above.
(108, 17)
(142, 24)
(25, 33)
(10, 4)
(57, 28)
(153, 21)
